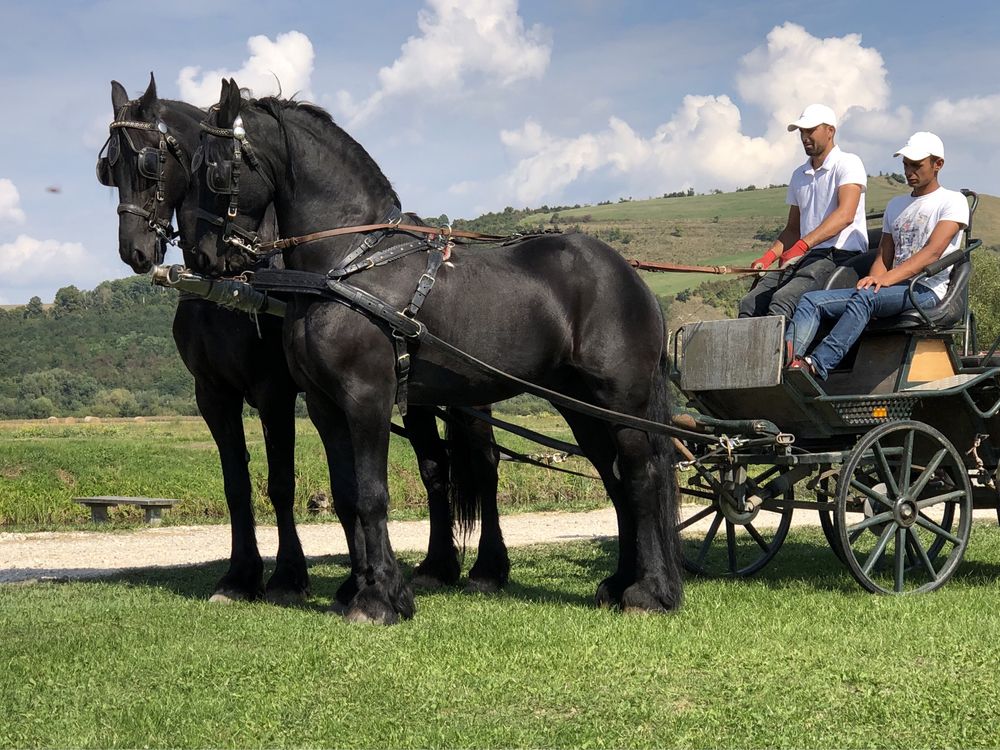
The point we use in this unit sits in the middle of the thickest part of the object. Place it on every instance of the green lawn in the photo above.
(798, 657)
(43, 466)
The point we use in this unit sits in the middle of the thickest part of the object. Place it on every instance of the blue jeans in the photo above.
(852, 308)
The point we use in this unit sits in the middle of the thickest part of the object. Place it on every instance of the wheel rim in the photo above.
(722, 538)
(904, 509)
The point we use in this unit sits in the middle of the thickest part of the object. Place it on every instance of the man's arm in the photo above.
(937, 243)
(788, 237)
(848, 197)
(881, 264)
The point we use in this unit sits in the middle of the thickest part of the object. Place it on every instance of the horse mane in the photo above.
(277, 108)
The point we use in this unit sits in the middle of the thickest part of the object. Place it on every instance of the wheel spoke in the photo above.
(868, 491)
(946, 497)
(869, 522)
(731, 545)
(922, 553)
(704, 494)
(707, 543)
(900, 559)
(696, 517)
(884, 472)
(927, 473)
(903, 483)
(761, 541)
(928, 524)
(876, 554)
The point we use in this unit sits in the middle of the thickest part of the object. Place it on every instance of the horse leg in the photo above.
(595, 439)
(441, 566)
(474, 462)
(384, 595)
(290, 581)
(222, 411)
(645, 466)
(329, 420)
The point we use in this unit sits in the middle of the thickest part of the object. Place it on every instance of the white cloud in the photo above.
(794, 69)
(459, 39)
(703, 144)
(288, 61)
(973, 117)
(32, 261)
(10, 203)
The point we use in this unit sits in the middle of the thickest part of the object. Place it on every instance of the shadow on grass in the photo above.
(590, 562)
(565, 574)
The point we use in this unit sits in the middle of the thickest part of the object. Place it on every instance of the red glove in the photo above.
(796, 251)
(764, 261)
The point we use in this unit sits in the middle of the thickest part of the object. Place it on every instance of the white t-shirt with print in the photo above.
(814, 191)
(911, 221)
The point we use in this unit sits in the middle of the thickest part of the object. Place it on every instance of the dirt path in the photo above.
(86, 554)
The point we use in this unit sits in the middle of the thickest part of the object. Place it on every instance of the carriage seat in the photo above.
(947, 313)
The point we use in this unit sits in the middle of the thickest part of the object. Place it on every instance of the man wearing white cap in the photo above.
(826, 219)
(917, 229)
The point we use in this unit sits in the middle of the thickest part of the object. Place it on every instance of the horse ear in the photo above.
(229, 103)
(148, 99)
(119, 96)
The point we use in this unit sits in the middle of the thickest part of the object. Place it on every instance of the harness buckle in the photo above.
(231, 212)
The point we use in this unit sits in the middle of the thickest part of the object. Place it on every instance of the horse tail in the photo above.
(472, 467)
(667, 511)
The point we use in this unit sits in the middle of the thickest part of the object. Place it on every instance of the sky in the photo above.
(474, 105)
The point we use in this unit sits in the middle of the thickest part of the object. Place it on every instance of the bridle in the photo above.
(223, 178)
(151, 164)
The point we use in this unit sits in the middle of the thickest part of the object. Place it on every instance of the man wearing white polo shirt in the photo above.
(826, 219)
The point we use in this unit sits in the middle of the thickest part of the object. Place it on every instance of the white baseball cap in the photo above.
(813, 115)
(921, 145)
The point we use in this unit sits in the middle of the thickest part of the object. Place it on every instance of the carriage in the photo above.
(893, 451)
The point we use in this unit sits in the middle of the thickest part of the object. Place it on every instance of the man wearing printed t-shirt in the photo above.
(917, 230)
(826, 219)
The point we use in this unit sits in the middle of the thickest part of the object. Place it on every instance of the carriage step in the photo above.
(153, 506)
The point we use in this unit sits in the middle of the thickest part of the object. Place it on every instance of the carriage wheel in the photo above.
(904, 509)
(725, 537)
(826, 493)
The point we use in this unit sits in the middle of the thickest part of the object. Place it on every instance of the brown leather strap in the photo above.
(447, 232)
(644, 266)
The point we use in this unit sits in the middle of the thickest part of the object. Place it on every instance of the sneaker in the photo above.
(803, 363)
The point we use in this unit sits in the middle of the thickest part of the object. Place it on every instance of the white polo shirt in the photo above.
(814, 191)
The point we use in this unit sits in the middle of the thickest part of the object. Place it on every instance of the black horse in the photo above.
(230, 361)
(235, 358)
(564, 312)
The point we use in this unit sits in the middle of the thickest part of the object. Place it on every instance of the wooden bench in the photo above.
(153, 506)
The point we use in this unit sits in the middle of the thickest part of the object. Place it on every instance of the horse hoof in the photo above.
(227, 597)
(639, 598)
(283, 598)
(359, 616)
(482, 586)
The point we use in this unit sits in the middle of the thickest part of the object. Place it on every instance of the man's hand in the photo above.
(764, 261)
(794, 253)
(870, 281)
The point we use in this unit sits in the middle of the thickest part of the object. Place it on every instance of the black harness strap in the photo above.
(370, 305)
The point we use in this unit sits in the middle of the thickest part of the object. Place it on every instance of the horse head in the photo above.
(233, 185)
(147, 157)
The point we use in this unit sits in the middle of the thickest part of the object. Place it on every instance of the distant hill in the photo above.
(110, 352)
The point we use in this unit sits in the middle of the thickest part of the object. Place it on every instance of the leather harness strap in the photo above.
(445, 232)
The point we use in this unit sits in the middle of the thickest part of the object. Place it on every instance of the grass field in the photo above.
(798, 657)
(44, 465)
